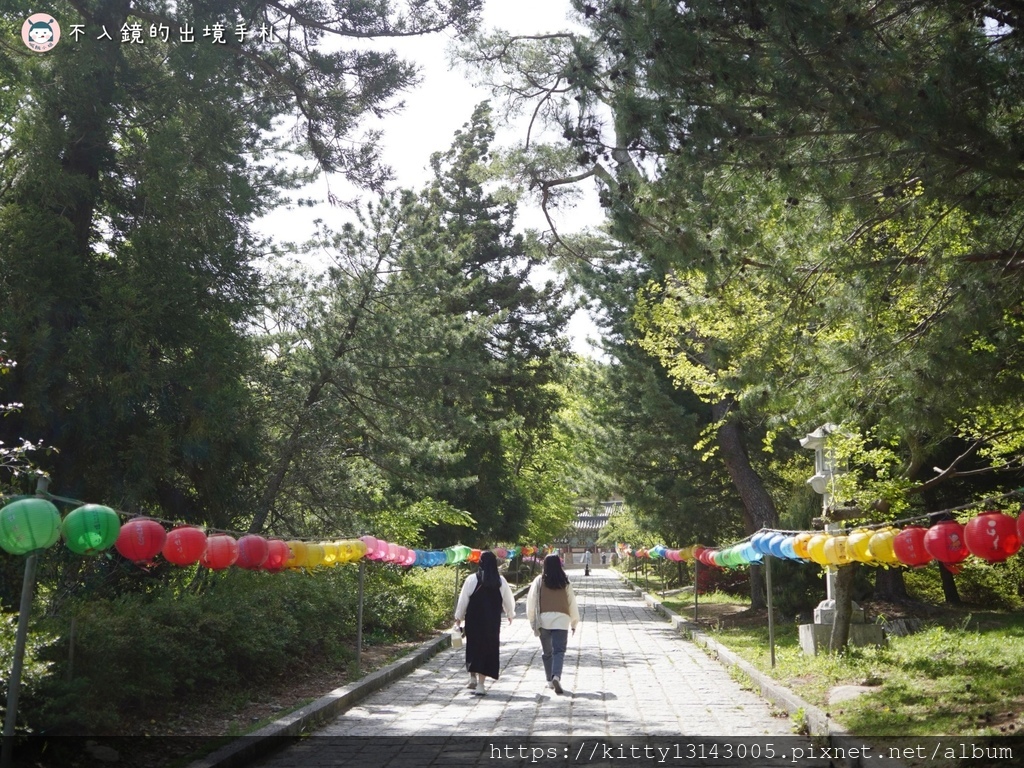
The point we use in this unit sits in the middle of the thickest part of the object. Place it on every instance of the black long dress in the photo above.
(483, 631)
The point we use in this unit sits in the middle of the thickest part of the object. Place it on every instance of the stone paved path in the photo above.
(627, 675)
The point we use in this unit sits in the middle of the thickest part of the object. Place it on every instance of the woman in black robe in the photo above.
(485, 596)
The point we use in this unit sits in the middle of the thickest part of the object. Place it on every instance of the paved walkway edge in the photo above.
(279, 733)
(816, 720)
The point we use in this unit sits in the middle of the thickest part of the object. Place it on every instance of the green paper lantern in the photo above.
(90, 529)
(27, 525)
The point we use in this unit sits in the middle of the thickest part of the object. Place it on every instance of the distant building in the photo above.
(590, 519)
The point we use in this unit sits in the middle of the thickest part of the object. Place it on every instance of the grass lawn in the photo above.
(965, 678)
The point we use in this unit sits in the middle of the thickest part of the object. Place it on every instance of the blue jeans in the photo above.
(552, 644)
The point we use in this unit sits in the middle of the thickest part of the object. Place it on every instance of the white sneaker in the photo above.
(556, 685)
(472, 682)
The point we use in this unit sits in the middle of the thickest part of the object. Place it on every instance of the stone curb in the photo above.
(278, 734)
(816, 720)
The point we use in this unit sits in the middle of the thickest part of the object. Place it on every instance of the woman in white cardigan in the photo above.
(552, 611)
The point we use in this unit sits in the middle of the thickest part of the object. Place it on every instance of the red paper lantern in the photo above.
(185, 545)
(992, 536)
(277, 555)
(253, 551)
(707, 557)
(140, 540)
(221, 552)
(909, 546)
(945, 542)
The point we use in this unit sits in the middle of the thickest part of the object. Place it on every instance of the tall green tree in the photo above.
(832, 190)
(422, 365)
(131, 174)
(838, 229)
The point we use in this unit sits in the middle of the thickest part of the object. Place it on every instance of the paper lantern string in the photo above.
(929, 516)
(390, 552)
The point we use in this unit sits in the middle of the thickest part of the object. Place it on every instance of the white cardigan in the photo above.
(508, 600)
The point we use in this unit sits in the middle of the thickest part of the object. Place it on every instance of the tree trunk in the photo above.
(843, 596)
(949, 590)
(758, 507)
(889, 585)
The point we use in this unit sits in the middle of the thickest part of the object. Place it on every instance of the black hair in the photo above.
(553, 576)
(488, 576)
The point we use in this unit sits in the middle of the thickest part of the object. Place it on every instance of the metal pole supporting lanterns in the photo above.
(24, 610)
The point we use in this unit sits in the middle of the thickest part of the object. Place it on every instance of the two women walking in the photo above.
(550, 607)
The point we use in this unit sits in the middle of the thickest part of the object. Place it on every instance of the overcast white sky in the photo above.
(433, 112)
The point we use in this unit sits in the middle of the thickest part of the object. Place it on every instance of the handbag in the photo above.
(457, 634)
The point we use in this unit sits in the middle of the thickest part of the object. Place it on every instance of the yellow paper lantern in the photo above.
(816, 548)
(345, 552)
(800, 545)
(880, 546)
(314, 555)
(330, 552)
(358, 549)
(836, 551)
(298, 554)
(857, 545)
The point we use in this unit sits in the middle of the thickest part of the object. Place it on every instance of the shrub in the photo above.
(993, 585)
(35, 669)
(135, 653)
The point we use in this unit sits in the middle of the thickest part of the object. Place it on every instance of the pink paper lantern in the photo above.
(221, 552)
(372, 546)
(253, 551)
(278, 553)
